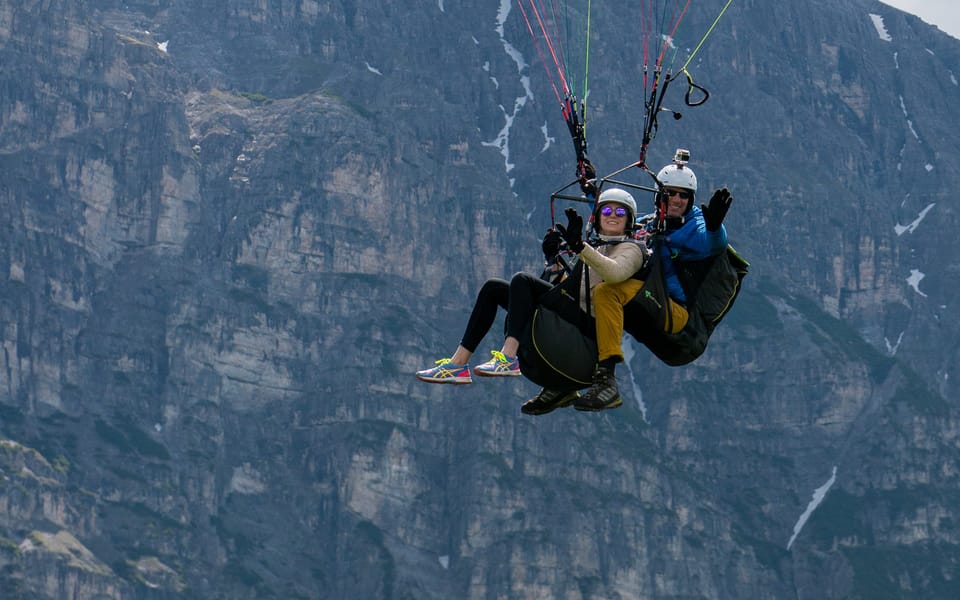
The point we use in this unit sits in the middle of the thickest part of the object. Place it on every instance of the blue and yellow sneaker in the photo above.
(446, 372)
(498, 366)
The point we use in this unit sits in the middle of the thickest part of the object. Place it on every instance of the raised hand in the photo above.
(573, 232)
(714, 213)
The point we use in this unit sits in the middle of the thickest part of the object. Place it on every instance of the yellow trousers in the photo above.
(608, 302)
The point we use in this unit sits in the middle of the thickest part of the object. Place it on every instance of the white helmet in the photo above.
(620, 197)
(678, 176)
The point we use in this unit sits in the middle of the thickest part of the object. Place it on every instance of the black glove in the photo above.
(719, 205)
(551, 243)
(572, 233)
(587, 176)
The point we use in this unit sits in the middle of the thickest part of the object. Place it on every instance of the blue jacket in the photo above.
(691, 241)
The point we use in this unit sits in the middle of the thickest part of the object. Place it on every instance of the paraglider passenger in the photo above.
(692, 233)
(610, 261)
(615, 258)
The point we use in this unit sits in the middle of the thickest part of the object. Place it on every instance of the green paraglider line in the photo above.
(706, 35)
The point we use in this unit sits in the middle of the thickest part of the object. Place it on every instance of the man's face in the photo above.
(677, 200)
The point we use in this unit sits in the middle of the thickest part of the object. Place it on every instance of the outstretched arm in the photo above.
(627, 261)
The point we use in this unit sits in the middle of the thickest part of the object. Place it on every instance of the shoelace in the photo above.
(500, 356)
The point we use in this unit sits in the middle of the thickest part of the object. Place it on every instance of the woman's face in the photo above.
(677, 200)
(613, 218)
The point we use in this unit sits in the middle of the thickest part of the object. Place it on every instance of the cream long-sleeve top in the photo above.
(610, 262)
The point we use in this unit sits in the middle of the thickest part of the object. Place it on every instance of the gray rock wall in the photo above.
(232, 231)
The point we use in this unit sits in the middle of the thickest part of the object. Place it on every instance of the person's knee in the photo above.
(604, 292)
(492, 288)
(522, 283)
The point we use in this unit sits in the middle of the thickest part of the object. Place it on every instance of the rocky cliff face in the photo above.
(233, 230)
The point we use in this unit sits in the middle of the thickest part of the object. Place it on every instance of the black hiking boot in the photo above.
(603, 394)
(548, 401)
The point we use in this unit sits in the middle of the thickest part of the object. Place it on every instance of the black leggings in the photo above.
(519, 298)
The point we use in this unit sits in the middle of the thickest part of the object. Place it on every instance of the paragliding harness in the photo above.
(559, 348)
(712, 286)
